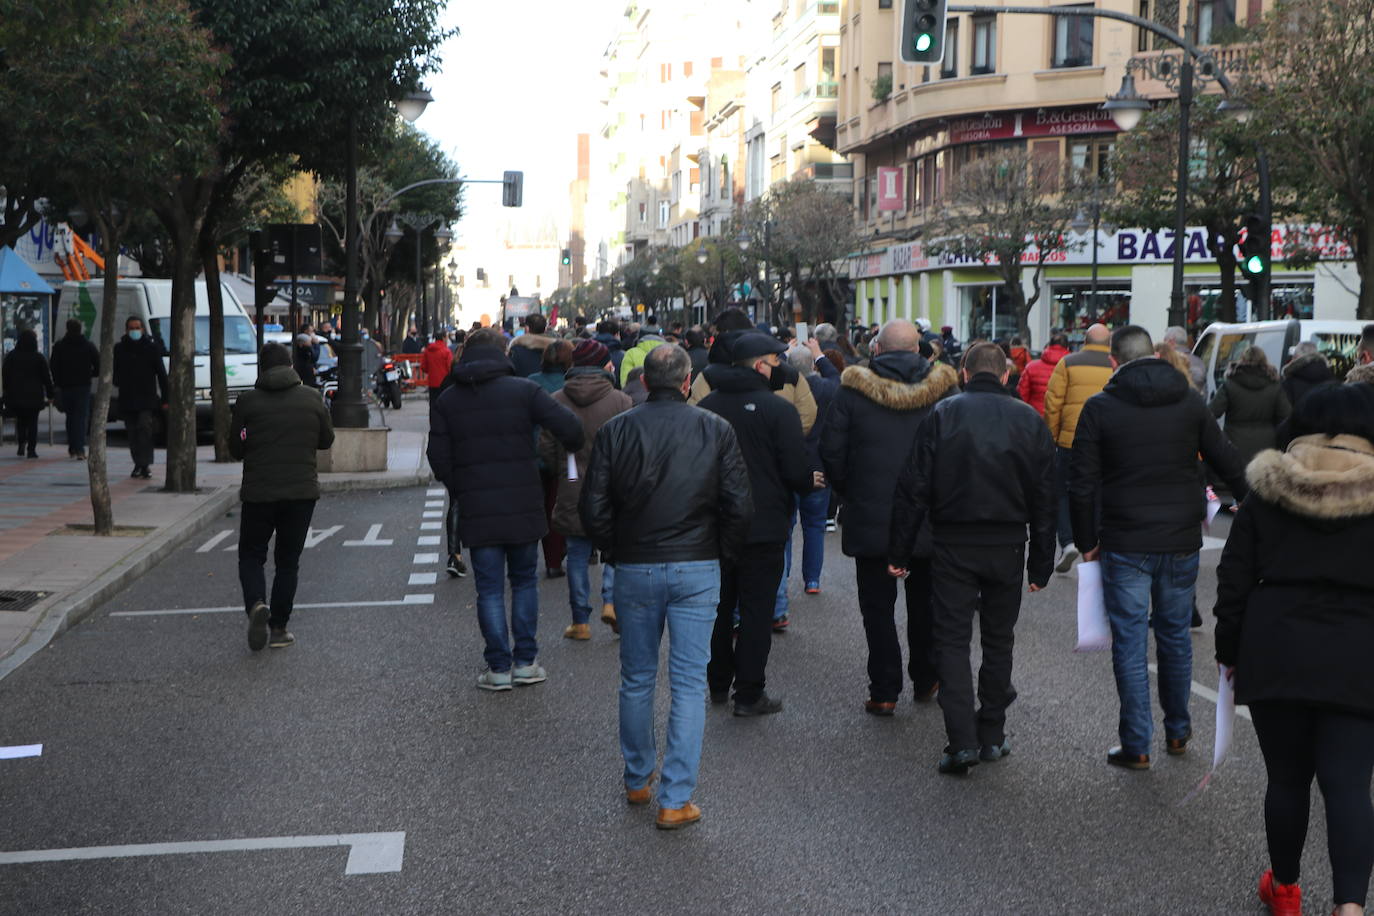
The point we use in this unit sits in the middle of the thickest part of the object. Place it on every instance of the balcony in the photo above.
(828, 90)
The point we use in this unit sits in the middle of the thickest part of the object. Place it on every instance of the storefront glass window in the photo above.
(1074, 308)
(986, 313)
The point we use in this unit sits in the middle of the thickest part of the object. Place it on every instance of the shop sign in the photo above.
(1040, 122)
(891, 188)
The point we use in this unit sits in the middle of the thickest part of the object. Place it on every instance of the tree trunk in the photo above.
(219, 385)
(1011, 282)
(181, 376)
(1221, 240)
(97, 465)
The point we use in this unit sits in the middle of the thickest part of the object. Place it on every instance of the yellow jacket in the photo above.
(1076, 378)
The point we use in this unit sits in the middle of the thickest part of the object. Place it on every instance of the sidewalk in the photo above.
(51, 577)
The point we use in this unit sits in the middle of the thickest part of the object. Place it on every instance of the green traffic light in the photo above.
(923, 42)
(1254, 264)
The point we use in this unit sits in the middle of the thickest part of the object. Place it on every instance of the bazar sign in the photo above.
(1042, 122)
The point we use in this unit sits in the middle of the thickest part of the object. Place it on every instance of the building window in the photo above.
(1214, 16)
(799, 79)
(687, 68)
(827, 65)
(1091, 157)
(884, 4)
(949, 66)
(1142, 37)
(776, 99)
(1073, 41)
(663, 214)
(724, 179)
(984, 45)
(643, 213)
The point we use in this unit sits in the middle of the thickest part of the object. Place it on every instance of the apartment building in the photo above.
(1034, 83)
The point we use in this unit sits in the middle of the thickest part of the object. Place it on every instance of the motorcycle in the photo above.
(386, 385)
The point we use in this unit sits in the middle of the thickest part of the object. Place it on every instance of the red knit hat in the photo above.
(591, 353)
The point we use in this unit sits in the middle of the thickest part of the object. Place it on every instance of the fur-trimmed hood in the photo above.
(1319, 476)
(899, 395)
(533, 341)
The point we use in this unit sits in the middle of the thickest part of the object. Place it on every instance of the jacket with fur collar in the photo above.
(1295, 588)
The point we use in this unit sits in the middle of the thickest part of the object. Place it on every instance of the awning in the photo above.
(16, 276)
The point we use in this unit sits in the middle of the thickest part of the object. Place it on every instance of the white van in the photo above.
(1222, 344)
(151, 301)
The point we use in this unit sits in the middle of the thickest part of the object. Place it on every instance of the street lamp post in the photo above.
(419, 222)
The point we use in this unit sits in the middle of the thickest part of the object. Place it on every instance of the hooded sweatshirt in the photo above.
(795, 391)
(277, 429)
(589, 393)
(634, 357)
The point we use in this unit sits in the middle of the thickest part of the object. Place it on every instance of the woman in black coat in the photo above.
(1295, 631)
(27, 384)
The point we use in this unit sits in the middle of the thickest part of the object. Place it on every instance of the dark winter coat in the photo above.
(1134, 484)
(75, 361)
(27, 382)
(1303, 374)
(612, 343)
(823, 389)
(1254, 405)
(869, 434)
(303, 361)
(527, 353)
(1295, 588)
(700, 357)
(983, 472)
(481, 446)
(666, 484)
(769, 434)
(139, 374)
(592, 397)
(794, 391)
(276, 429)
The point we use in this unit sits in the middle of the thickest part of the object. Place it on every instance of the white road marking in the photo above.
(371, 539)
(437, 491)
(315, 536)
(422, 558)
(210, 544)
(432, 513)
(434, 504)
(431, 526)
(1207, 694)
(429, 540)
(15, 751)
(423, 578)
(408, 599)
(368, 854)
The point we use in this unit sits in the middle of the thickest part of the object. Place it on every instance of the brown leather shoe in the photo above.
(676, 818)
(1177, 747)
(640, 796)
(1118, 757)
(608, 617)
(874, 708)
(578, 631)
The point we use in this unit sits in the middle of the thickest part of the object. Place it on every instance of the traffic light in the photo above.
(923, 31)
(1255, 249)
(512, 189)
(567, 257)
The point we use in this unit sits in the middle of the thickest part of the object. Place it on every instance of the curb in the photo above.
(79, 605)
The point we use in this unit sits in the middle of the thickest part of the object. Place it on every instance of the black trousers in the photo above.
(878, 605)
(139, 426)
(289, 519)
(986, 580)
(1300, 741)
(751, 582)
(455, 542)
(26, 428)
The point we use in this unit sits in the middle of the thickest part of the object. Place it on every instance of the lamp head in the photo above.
(414, 103)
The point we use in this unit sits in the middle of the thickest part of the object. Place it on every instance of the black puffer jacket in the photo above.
(666, 483)
(27, 383)
(139, 374)
(983, 470)
(481, 446)
(769, 434)
(276, 429)
(869, 433)
(1303, 374)
(1135, 466)
(75, 361)
(1295, 588)
(1254, 405)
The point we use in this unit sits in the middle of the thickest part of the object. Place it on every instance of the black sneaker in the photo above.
(958, 763)
(147, 473)
(137, 472)
(991, 753)
(257, 626)
(456, 567)
(763, 706)
(720, 696)
(280, 638)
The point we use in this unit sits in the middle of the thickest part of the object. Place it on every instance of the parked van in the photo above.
(1222, 344)
(151, 301)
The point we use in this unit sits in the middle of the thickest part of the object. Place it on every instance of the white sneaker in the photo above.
(1067, 555)
(830, 525)
(526, 675)
(494, 680)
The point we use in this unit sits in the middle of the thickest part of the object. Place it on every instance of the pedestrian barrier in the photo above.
(415, 379)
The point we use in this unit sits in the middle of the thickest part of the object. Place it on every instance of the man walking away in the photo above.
(1135, 467)
(436, 360)
(75, 361)
(1075, 378)
(868, 434)
(481, 447)
(142, 382)
(1035, 380)
(276, 429)
(770, 438)
(527, 350)
(1177, 338)
(983, 471)
(648, 340)
(697, 351)
(591, 395)
(729, 325)
(608, 335)
(667, 542)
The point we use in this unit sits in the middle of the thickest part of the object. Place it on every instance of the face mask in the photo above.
(135, 335)
(778, 377)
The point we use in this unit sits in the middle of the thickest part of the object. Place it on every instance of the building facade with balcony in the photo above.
(1036, 84)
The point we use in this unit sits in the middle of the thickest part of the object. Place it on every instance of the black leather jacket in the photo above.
(983, 468)
(666, 483)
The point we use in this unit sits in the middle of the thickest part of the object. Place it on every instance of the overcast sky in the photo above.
(518, 84)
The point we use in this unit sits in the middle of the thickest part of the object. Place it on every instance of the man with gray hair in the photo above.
(828, 336)
(1177, 338)
(1137, 503)
(666, 499)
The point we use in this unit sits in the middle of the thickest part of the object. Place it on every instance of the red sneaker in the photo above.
(1282, 899)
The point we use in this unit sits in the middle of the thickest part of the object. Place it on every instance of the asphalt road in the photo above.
(164, 728)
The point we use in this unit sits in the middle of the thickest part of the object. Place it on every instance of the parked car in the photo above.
(1219, 345)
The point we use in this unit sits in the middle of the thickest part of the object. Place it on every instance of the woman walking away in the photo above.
(1252, 402)
(553, 366)
(1295, 632)
(27, 385)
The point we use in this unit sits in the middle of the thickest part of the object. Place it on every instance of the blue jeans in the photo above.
(580, 581)
(519, 562)
(1131, 583)
(76, 403)
(684, 595)
(813, 507)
